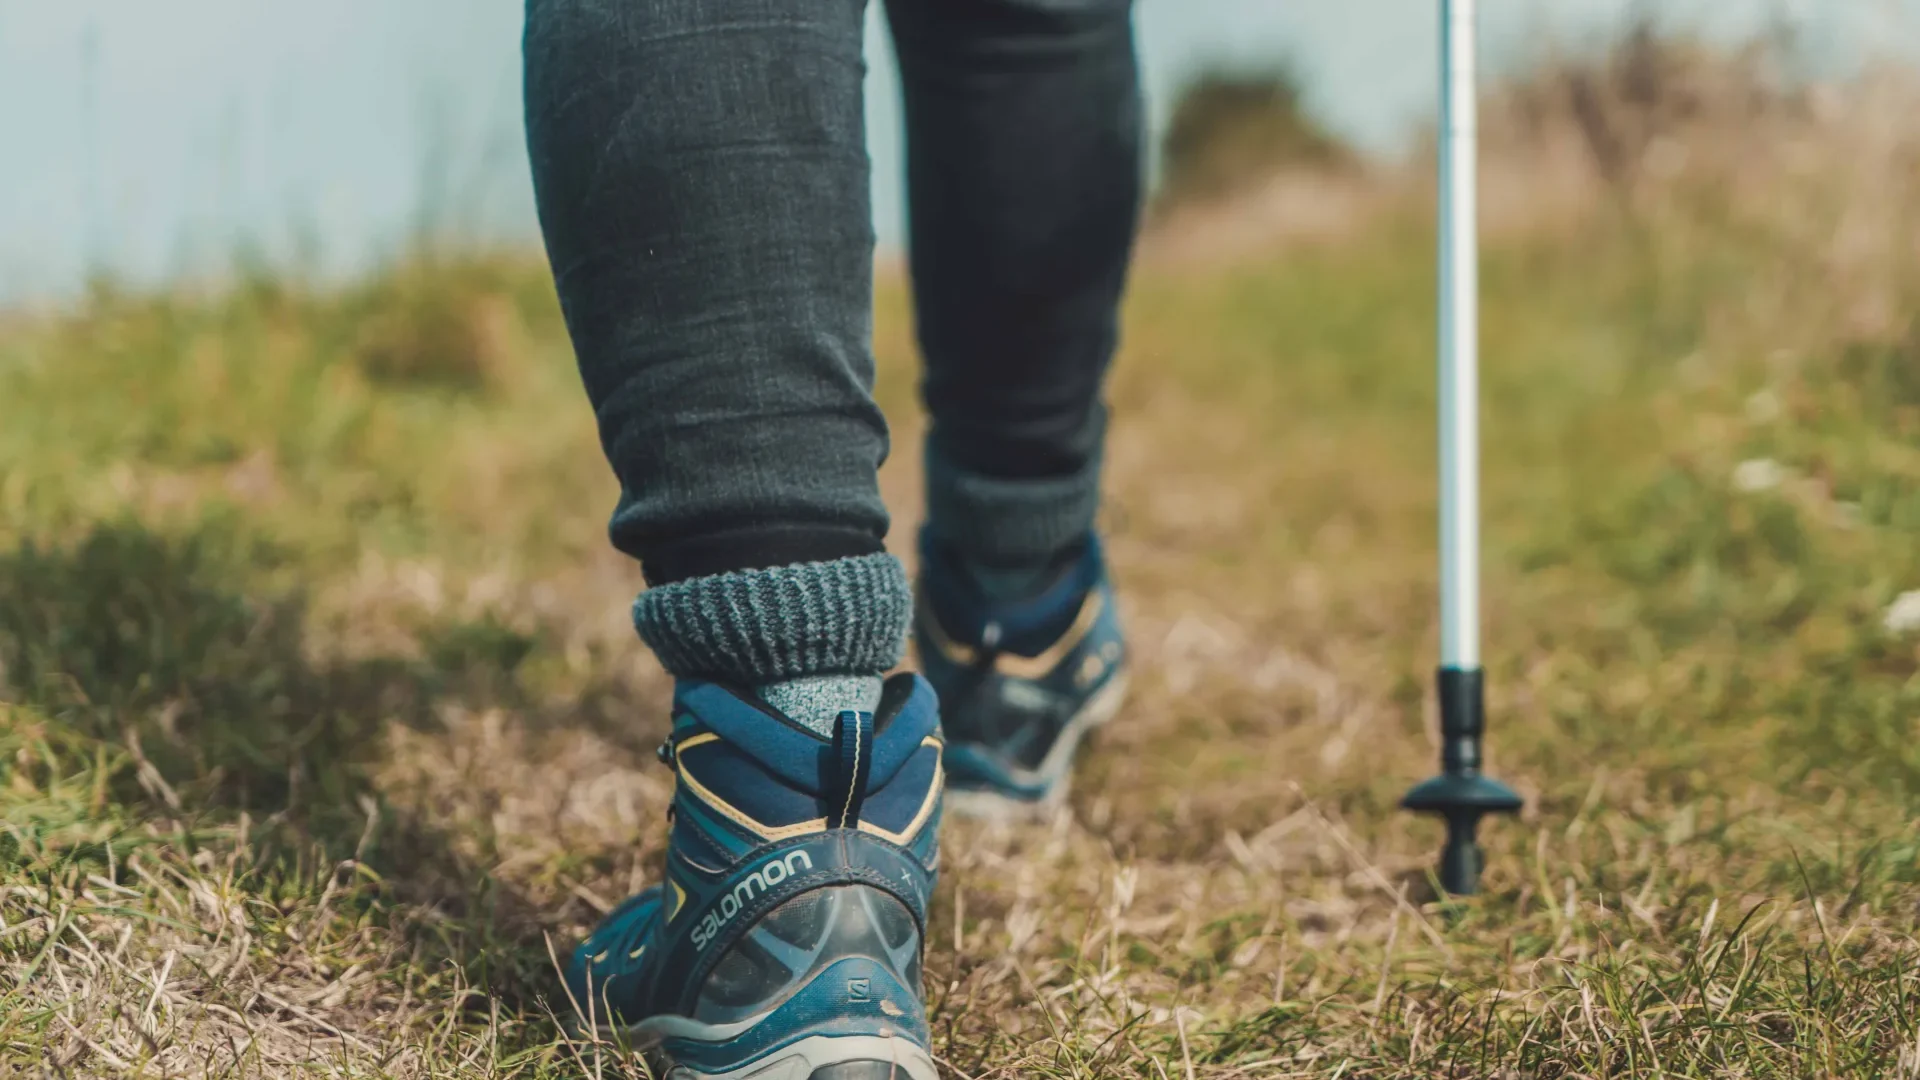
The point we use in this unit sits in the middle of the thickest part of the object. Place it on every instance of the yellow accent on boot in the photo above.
(1013, 665)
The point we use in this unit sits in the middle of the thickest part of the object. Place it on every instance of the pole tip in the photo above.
(1462, 799)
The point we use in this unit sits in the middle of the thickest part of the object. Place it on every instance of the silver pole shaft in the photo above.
(1459, 340)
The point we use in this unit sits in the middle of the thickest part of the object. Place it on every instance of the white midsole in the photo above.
(816, 1051)
(651, 1032)
(802, 1059)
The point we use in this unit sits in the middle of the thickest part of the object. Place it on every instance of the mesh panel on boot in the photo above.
(801, 938)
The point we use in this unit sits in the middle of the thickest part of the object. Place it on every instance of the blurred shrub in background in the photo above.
(435, 323)
(1233, 131)
(1639, 108)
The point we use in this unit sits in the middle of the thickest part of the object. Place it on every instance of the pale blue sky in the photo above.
(159, 138)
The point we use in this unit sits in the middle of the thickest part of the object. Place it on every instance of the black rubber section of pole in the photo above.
(1463, 719)
(1460, 795)
(1463, 724)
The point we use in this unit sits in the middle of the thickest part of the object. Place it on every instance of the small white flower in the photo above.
(1758, 474)
(1903, 615)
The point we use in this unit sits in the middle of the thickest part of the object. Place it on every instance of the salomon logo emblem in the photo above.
(859, 990)
(763, 878)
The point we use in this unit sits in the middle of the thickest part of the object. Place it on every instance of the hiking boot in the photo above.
(785, 940)
(1022, 679)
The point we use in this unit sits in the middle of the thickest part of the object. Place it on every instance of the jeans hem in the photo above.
(1001, 521)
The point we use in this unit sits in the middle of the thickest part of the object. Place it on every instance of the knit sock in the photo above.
(812, 638)
(816, 701)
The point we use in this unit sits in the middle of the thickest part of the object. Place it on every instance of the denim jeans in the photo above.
(702, 181)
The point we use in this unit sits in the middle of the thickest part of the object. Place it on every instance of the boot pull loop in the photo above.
(853, 765)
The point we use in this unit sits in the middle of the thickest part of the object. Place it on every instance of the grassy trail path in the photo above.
(320, 717)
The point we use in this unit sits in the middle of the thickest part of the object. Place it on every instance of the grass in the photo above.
(321, 728)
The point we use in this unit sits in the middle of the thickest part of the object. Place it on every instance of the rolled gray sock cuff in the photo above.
(844, 617)
(1009, 522)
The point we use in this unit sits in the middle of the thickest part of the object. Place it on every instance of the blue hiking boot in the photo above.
(785, 942)
(1022, 682)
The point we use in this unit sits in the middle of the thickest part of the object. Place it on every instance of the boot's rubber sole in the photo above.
(828, 1057)
(816, 1057)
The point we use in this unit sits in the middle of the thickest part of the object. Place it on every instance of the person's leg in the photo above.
(1024, 165)
(1025, 171)
(701, 178)
(701, 174)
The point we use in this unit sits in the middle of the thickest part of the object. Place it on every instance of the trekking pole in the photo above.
(1460, 794)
